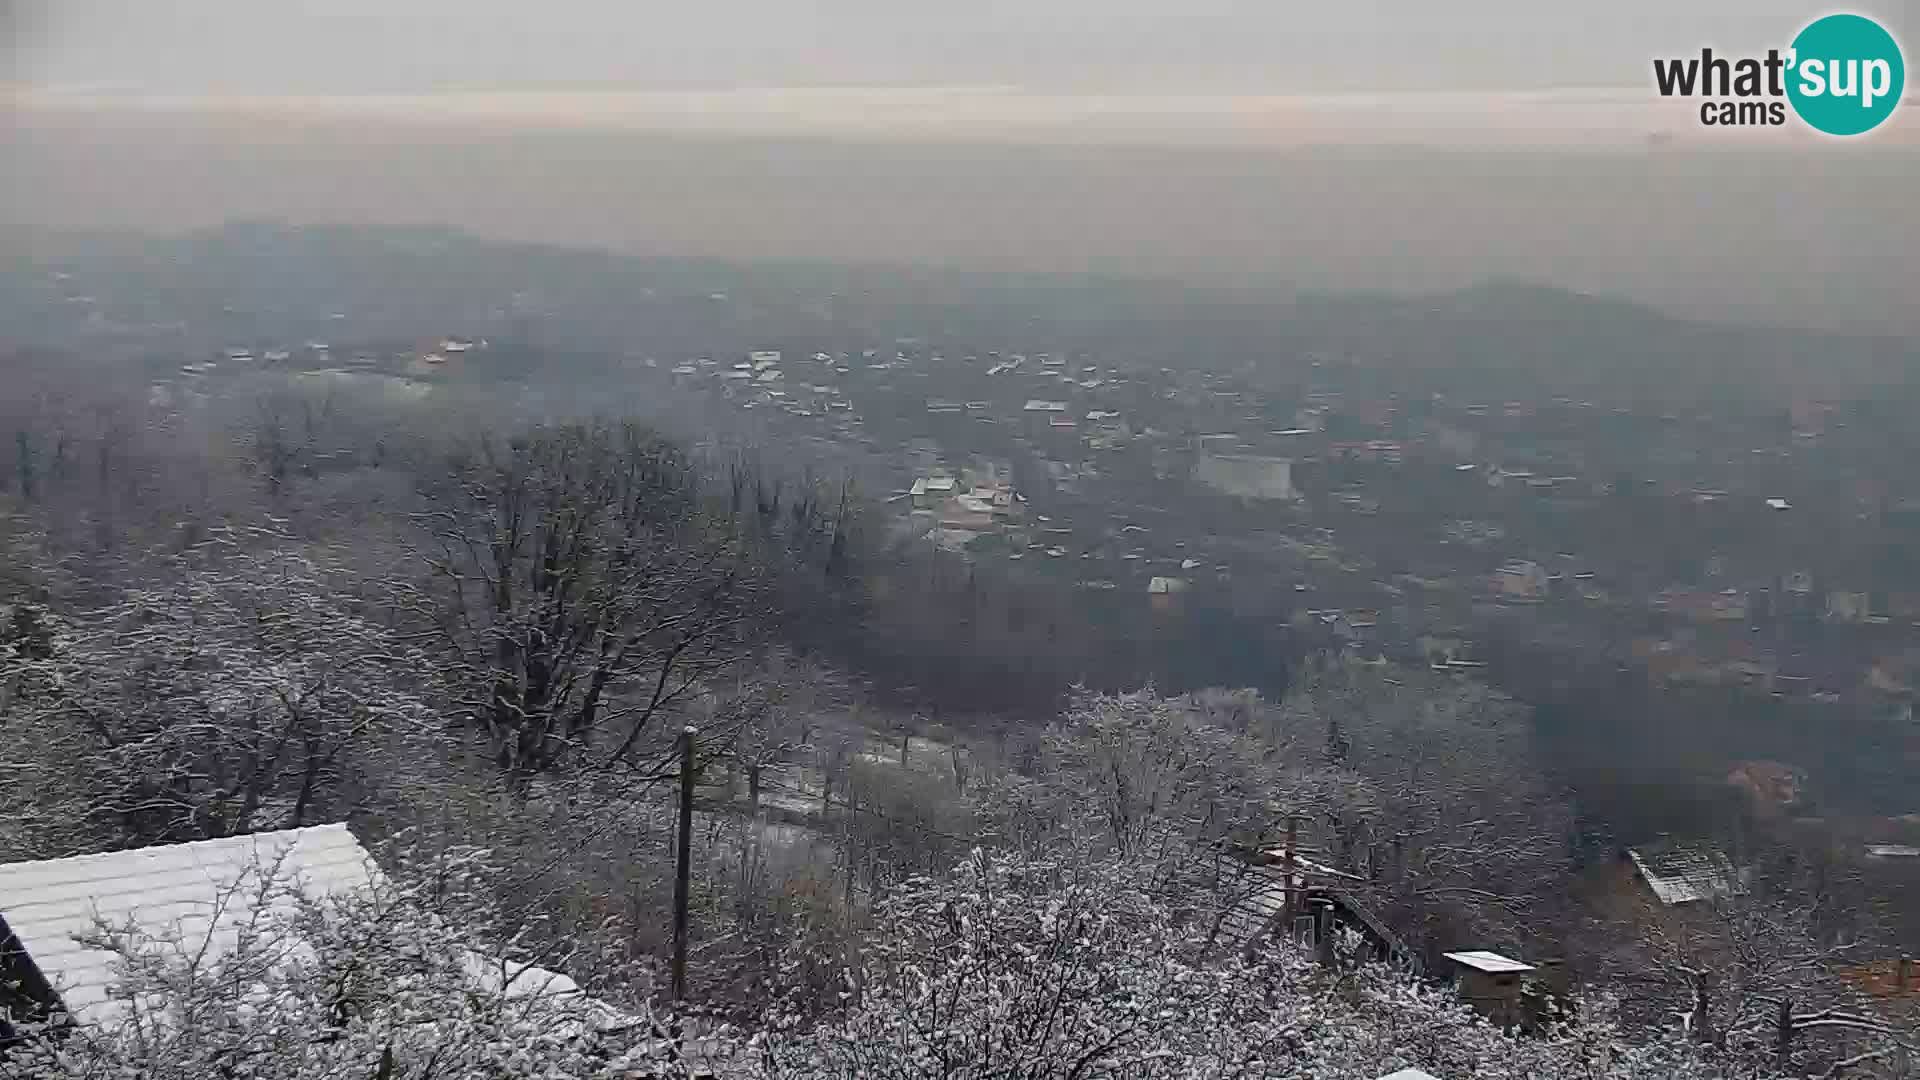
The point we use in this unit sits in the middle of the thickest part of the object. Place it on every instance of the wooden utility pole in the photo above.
(1290, 902)
(683, 865)
(1323, 932)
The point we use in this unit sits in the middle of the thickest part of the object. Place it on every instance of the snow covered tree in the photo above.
(1029, 968)
(1753, 969)
(579, 588)
(239, 692)
(1153, 772)
(1057, 968)
(1450, 818)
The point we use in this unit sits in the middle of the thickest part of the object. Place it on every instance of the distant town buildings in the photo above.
(1522, 580)
(1843, 606)
(1164, 593)
(1247, 476)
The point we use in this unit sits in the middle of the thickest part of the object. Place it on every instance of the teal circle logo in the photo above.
(1846, 74)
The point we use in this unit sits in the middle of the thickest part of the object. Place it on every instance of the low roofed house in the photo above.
(1247, 476)
(930, 491)
(1521, 580)
(1771, 788)
(204, 891)
(1676, 874)
(198, 889)
(1490, 983)
(1163, 593)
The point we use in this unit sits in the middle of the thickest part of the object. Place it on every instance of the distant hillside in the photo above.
(1544, 339)
(1480, 339)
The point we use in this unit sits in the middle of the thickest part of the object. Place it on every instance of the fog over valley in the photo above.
(1820, 239)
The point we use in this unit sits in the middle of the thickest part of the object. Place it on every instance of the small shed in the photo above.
(1491, 983)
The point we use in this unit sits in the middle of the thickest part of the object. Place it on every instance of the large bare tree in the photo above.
(580, 585)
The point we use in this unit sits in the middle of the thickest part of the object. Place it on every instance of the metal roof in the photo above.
(1490, 962)
(1679, 875)
(206, 890)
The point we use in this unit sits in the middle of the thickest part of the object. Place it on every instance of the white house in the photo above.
(1521, 580)
(1247, 476)
(205, 890)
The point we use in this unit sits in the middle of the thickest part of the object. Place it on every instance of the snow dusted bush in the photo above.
(242, 691)
(1045, 969)
(1030, 968)
(1036, 969)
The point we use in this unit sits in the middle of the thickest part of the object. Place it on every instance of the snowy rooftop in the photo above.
(1679, 875)
(1490, 962)
(199, 889)
(206, 890)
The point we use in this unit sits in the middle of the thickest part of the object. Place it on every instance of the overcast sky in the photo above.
(312, 47)
(1527, 138)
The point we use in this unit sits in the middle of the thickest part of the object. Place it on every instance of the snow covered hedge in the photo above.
(1009, 967)
(1025, 968)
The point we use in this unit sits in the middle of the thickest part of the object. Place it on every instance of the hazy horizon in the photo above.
(1324, 147)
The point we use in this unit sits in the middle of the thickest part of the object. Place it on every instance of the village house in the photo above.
(1246, 475)
(1896, 673)
(205, 891)
(1165, 593)
(1699, 605)
(1771, 787)
(930, 491)
(1676, 874)
(1845, 606)
(1521, 580)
